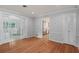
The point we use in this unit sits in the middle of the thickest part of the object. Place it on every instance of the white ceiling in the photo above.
(37, 9)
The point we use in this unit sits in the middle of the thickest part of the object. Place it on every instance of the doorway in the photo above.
(45, 27)
(70, 29)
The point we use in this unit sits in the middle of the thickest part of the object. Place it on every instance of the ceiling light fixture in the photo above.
(32, 12)
(24, 6)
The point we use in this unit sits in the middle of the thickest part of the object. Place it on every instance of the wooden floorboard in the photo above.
(35, 45)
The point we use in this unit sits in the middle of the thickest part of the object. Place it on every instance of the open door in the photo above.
(45, 27)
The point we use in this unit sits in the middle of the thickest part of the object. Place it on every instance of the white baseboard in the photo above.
(39, 36)
(7, 41)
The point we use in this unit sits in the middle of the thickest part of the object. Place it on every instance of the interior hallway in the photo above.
(35, 45)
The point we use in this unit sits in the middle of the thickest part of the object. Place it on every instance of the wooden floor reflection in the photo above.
(35, 45)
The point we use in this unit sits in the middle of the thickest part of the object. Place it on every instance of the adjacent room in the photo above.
(39, 28)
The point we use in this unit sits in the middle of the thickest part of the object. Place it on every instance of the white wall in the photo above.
(25, 24)
(38, 27)
(57, 29)
(77, 28)
(29, 27)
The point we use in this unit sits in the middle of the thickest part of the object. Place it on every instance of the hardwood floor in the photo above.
(35, 45)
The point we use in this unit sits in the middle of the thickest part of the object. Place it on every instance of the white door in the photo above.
(55, 29)
(70, 29)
